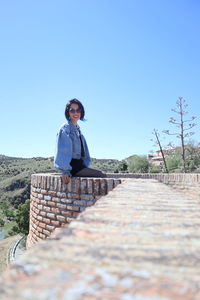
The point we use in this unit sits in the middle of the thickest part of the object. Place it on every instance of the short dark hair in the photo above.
(80, 105)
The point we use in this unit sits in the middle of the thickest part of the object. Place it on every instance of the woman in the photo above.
(72, 156)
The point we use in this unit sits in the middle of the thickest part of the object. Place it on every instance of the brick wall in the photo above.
(189, 183)
(54, 204)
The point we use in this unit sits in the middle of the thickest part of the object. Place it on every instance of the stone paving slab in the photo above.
(140, 242)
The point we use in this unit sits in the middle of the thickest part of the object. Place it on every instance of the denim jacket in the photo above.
(68, 146)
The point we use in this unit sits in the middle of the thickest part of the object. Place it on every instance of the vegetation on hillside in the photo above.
(15, 175)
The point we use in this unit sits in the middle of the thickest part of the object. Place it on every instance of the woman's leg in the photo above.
(88, 172)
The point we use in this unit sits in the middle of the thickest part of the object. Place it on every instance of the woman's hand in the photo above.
(66, 179)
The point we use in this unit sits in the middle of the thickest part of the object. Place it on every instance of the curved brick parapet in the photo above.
(188, 182)
(54, 204)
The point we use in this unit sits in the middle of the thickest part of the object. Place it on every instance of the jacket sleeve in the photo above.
(87, 158)
(63, 153)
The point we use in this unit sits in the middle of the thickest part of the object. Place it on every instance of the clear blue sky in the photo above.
(127, 61)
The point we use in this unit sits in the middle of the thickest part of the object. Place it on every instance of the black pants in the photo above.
(80, 170)
(88, 172)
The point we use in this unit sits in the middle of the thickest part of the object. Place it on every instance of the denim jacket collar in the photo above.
(72, 127)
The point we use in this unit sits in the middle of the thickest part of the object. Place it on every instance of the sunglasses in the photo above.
(73, 111)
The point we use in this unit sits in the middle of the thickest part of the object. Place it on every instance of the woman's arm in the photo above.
(87, 158)
(63, 153)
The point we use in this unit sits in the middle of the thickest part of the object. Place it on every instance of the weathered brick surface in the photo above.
(189, 182)
(140, 242)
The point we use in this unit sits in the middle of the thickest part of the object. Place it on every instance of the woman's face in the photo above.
(74, 113)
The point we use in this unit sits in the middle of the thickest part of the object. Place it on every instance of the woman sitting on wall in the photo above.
(72, 155)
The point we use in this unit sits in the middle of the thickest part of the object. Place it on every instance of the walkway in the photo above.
(140, 242)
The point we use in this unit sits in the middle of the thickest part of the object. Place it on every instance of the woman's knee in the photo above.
(89, 172)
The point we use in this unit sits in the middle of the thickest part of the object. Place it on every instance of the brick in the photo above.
(52, 193)
(51, 203)
(83, 186)
(42, 225)
(61, 195)
(90, 187)
(55, 199)
(55, 210)
(32, 198)
(59, 184)
(43, 202)
(90, 203)
(64, 224)
(39, 229)
(47, 198)
(50, 227)
(52, 187)
(42, 236)
(96, 186)
(75, 214)
(37, 201)
(46, 232)
(80, 202)
(39, 218)
(33, 189)
(51, 215)
(68, 213)
(44, 185)
(103, 187)
(116, 182)
(55, 223)
(60, 218)
(43, 213)
(35, 205)
(73, 196)
(67, 201)
(46, 220)
(48, 182)
(61, 206)
(44, 192)
(55, 183)
(34, 194)
(75, 185)
(64, 187)
(72, 207)
(109, 185)
(86, 197)
(34, 226)
(46, 208)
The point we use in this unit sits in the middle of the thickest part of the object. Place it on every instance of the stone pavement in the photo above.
(140, 242)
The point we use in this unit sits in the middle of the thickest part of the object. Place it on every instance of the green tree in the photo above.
(174, 163)
(1, 222)
(123, 166)
(138, 164)
(192, 157)
(22, 219)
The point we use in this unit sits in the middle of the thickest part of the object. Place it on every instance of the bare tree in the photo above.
(157, 135)
(183, 126)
